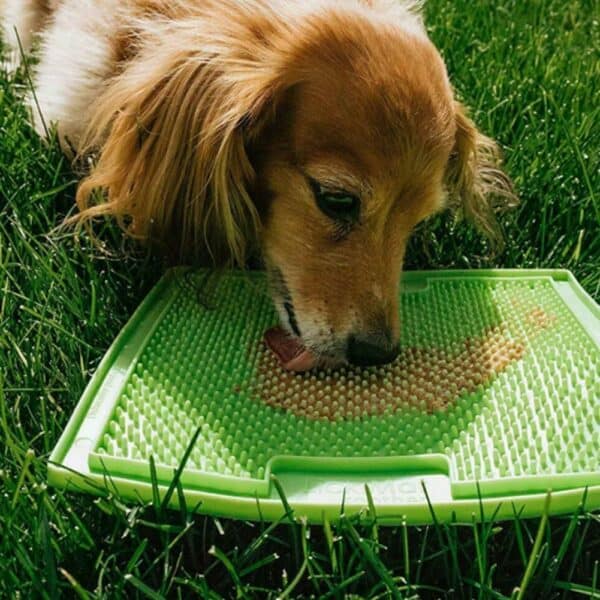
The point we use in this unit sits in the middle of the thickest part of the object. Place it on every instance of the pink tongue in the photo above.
(292, 355)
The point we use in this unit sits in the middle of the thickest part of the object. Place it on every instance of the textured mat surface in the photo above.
(494, 398)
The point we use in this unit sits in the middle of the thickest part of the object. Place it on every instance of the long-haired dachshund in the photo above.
(316, 132)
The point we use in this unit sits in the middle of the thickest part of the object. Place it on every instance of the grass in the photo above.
(530, 71)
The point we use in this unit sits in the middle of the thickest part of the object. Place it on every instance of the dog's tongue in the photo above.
(292, 355)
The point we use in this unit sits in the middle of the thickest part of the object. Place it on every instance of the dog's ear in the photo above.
(476, 185)
(169, 136)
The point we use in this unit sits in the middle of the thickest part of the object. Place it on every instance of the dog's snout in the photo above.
(371, 350)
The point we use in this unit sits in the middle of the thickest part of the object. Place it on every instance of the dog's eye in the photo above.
(340, 206)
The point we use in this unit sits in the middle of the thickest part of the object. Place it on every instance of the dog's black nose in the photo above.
(366, 352)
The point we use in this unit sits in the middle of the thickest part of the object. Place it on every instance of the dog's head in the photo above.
(322, 137)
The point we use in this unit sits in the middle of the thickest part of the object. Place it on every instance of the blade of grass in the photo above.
(535, 551)
(25, 63)
(293, 584)
(576, 588)
(519, 533)
(373, 516)
(315, 572)
(29, 457)
(335, 591)
(48, 549)
(478, 553)
(142, 587)
(486, 589)
(259, 564)
(289, 513)
(421, 559)
(77, 588)
(330, 544)
(132, 564)
(374, 561)
(405, 551)
(167, 549)
(578, 548)
(177, 475)
(564, 545)
(438, 531)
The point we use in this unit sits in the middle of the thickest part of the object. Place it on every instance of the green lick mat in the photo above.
(493, 401)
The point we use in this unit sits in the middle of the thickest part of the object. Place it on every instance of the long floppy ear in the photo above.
(169, 133)
(476, 185)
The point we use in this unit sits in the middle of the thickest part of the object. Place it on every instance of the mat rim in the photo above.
(581, 305)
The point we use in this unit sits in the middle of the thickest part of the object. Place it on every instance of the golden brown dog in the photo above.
(317, 132)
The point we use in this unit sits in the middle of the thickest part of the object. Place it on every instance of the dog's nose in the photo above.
(366, 352)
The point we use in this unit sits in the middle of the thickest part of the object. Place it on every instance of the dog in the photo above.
(317, 133)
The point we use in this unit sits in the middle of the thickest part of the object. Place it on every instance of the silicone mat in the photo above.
(493, 401)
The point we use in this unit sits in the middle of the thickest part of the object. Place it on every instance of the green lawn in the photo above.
(531, 72)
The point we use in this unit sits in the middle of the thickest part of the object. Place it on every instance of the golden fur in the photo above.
(218, 113)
